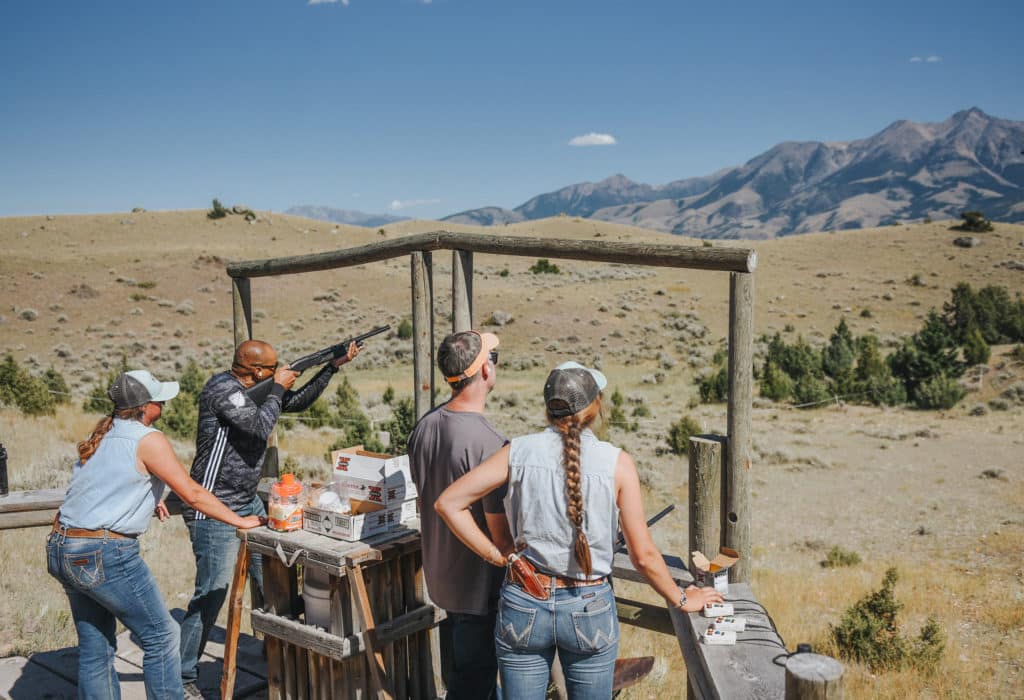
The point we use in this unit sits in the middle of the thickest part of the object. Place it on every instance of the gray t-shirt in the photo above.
(443, 446)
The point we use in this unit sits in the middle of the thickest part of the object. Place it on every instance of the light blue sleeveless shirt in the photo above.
(108, 492)
(536, 503)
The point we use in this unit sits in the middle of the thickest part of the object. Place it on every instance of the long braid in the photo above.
(87, 447)
(570, 429)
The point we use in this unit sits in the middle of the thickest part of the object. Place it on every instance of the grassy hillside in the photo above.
(939, 494)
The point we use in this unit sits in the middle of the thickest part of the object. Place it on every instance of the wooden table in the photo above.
(381, 640)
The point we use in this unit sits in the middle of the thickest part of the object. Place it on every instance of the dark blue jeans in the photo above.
(106, 580)
(581, 623)
(215, 546)
(473, 670)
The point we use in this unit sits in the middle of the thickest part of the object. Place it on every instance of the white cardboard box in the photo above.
(346, 527)
(402, 512)
(715, 572)
(380, 478)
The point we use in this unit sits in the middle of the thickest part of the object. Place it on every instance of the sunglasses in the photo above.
(493, 356)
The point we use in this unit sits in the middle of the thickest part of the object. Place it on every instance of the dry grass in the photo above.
(895, 486)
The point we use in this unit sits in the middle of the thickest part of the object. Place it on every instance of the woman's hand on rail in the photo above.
(697, 598)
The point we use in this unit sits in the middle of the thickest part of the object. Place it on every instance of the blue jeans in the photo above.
(215, 546)
(473, 671)
(582, 623)
(106, 580)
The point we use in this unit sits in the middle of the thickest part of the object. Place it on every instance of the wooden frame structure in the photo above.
(719, 466)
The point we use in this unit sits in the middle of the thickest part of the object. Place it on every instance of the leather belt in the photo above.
(80, 532)
(563, 581)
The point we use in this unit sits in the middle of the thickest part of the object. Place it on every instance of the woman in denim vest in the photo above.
(567, 493)
(93, 549)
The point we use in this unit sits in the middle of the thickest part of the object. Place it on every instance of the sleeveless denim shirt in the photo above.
(536, 503)
(108, 492)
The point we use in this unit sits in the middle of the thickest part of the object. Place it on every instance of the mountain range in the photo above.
(344, 216)
(908, 171)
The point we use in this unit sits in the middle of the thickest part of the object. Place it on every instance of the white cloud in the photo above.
(925, 59)
(916, 59)
(933, 59)
(593, 139)
(399, 204)
(327, 2)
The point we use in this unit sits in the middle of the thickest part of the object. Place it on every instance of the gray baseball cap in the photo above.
(139, 387)
(571, 387)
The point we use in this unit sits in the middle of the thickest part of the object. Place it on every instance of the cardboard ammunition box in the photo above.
(349, 527)
(402, 512)
(715, 572)
(373, 477)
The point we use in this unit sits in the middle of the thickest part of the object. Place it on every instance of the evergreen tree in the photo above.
(976, 350)
(930, 352)
(873, 377)
(837, 358)
(775, 383)
(57, 386)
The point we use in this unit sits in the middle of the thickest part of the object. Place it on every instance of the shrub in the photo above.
(679, 434)
(401, 424)
(57, 386)
(1017, 353)
(975, 222)
(503, 273)
(866, 313)
(810, 390)
(868, 633)
(217, 210)
(928, 353)
(838, 557)
(19, 388)
(775, 383)
(544, 267)
(404, 329)
(715, 387)
(976, 350)
(939, 392)
(389, 395)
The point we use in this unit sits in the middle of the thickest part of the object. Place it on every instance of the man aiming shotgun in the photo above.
(238, 410)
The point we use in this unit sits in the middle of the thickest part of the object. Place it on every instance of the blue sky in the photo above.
(427, 108)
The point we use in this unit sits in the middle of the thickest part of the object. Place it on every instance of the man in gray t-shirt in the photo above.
(445, 444)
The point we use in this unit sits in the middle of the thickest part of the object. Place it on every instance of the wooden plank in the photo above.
(422, 331)
(644, 615)
(623, 568)
(726, 259)
(706, 453)
(275, 668)
(736, 514)
(325, 553)
(241, 308)
(20, 678)
(745, 671)
(227, 685)
(40, 499)
(31, 518)
(362, 606)
(342, 648)
(288, 662)
(462, 290)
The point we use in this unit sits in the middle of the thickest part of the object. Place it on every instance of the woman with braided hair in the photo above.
(93, 549)
(567, 494)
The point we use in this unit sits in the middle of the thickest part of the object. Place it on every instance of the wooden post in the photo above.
(227, 683)
(705, 494)
(736, 508)
(422, 331)
(241, 297)
(462, 290)
(813, 677)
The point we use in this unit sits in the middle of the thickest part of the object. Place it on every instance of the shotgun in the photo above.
(261, 390)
